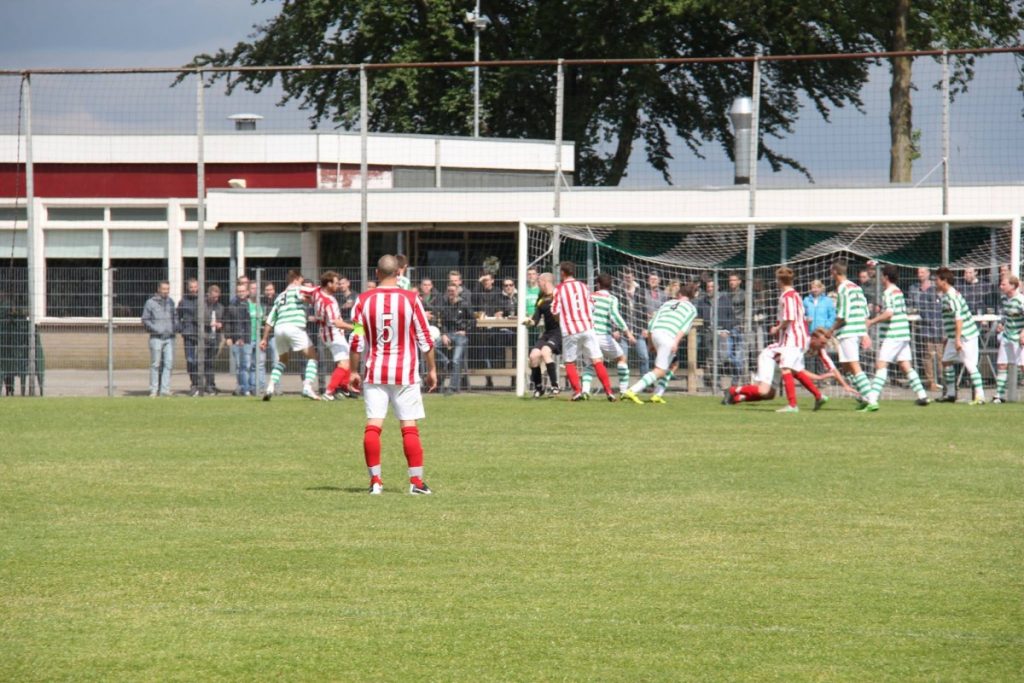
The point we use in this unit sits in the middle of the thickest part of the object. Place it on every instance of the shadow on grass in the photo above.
(339, 489)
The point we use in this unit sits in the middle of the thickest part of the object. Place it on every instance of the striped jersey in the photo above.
(404, 282)
(1013, 317)
(289, 309)
(327, 310)
(954, 307)
(852, 307)
(896, 328)
(392, 331)
(574, 306)
(791, 309)
(674, 316)
(606, 312)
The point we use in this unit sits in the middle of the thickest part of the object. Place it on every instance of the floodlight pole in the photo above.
(748, 314)
(1015, 247)
(521, 331)
(476, 70)
(945, 156)
(200, 228)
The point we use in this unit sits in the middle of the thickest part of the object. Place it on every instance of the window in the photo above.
(191, 214)
(75, 213)
(13, 213)
(138, 213)
(74, 288)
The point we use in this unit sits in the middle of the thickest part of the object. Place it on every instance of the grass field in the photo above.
(223, 539)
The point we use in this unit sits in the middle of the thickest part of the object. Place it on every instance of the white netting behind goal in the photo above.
(659, 257)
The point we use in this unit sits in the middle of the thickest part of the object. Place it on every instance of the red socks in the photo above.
(808, 383)
(371, 445)
(339, 380)
(747, 392)
(787, 382)
(574, 377)
(412, 446)
(602, 374)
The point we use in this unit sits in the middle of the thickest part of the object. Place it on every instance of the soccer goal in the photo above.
(737, 258)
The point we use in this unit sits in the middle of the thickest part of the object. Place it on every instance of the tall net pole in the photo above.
(556, 254)
(30, 251)
(200, 227)
(364, 231)
(945, 156)
(755, 138)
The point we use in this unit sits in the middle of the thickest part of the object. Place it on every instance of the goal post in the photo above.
(670, 250)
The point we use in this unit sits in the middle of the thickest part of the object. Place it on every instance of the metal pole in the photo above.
(476, 71)
(556, 231)
(364, 238)
(945, 155)
(755, 139)
(200, 227)
(30, 237)
(110, 331)
(521, 331)
(259, 364)
(715, 337)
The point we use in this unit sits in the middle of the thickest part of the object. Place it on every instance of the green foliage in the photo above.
(225, 539)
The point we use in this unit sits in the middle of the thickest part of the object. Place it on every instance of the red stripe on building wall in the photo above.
(149, 180)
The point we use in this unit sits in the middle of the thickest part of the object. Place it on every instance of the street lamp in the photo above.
(741, 114)
(479, 24)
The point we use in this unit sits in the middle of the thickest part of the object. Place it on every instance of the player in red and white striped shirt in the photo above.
(574, 306)
(332, 327)
(792, 333)
(391, 329)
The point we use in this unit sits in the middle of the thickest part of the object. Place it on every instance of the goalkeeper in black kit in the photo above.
(549, 344)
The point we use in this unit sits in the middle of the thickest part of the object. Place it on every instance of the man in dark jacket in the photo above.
(159, 320)
(214, 324)
(238, 334)
(456, 318)
(188, 326)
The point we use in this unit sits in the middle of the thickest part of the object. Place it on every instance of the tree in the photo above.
(608, 109)
(899, 25)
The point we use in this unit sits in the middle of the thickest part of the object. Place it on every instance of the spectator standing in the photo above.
(738, 301)
(924, 300)
(630, 295)
(975, 292)
(725, 322)
(532, 291)
(455, 278)
(429, 299)
(866, 281)
(346, 297)
(214, 324)
(188, 326)
(158, 317)
(456, 318)
(257, 312)
(819, 308)
(238, 336)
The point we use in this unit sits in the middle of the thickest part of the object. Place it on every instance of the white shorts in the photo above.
(339, 348)
(895, 351)
(291, 338)
(766, 365)
(405, 400)
(571, 345)
(610, 347)
(969, 356)
(849, 349)
(1009, 353)
(791, 357)
(663, 342)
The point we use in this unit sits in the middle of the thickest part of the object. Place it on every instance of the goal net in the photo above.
(734, 260)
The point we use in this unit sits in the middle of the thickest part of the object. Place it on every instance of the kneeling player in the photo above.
(669, 325)
(768, 361)
(393, 329)
(1011, 341)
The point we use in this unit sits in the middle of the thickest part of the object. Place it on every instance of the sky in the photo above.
(986, 123)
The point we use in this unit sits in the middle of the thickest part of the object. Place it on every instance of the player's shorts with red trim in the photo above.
(405, 400)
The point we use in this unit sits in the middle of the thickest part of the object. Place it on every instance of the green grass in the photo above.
(222, 539)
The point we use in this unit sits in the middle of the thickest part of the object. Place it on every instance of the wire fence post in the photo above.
(945, 155)
(259, 360)
(715, 336)
(200, 231)
(556, 231)
(364, 231)
(110, 331)
(1015, 266)
(755, 139)
(30, 225)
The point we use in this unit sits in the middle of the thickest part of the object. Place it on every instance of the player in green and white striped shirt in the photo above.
(669, 325)
(961, 338)
(894, 333)
(608, 320)
(850, 328)
(1011, 333)
(287, 319)
(403, 265)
